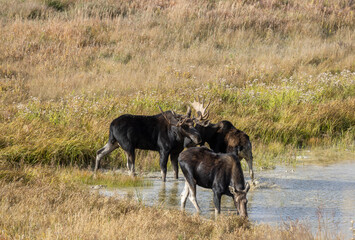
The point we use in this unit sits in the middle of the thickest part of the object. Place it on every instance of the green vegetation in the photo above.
(28, 175)
(110, 180)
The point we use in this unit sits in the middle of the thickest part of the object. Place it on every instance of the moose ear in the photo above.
(238, 149)
(188, 112)
(231, 189)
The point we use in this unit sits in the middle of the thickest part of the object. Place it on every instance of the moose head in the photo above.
(182, 125)
(240, 199)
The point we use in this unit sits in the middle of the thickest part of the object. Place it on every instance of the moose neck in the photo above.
(237, 180)
(177, 135)
(207, 132)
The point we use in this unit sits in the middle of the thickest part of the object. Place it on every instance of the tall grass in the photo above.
(282, 71)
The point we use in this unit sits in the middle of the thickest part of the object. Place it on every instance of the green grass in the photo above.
(108, 179)
(292, 113)
(29, 174)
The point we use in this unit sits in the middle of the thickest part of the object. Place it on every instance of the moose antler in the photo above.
(181, 122)
(188, 112)
(202, 114)
(164, 115)
(245, 191)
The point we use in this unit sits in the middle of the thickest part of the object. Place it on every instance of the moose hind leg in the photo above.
(131, 161)
(107, 149)
(192, 197)
(184, 195)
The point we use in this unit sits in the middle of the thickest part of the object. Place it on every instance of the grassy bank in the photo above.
(282, 71)
(38, 203)
(28, 174)
(278, 118)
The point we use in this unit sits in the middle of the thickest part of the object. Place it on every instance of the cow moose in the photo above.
(222, 137)
(221, 172)
(164, 132)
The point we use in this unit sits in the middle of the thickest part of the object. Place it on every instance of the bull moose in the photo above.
(221, 172)
(164, 132)
(222, 137)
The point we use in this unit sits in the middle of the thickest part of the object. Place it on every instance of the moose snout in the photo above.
(189, 143)
(244, 214)
(196, 138)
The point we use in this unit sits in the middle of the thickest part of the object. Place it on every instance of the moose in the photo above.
(222, 137)
(164, 132)
(221, 172)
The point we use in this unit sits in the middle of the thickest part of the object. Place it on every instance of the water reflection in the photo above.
(162, 193)
(169, 195)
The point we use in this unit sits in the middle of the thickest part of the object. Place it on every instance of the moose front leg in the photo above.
(250, 165)
(163, 164)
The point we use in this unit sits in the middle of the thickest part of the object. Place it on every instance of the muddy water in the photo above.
(318, 196)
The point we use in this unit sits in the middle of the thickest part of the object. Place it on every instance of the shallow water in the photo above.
(317, 196)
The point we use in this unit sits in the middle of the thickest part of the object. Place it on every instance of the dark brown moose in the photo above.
(221, 172)
(222, 137)
(164, 132)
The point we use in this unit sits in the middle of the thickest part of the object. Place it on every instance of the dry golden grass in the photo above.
(104, 45)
